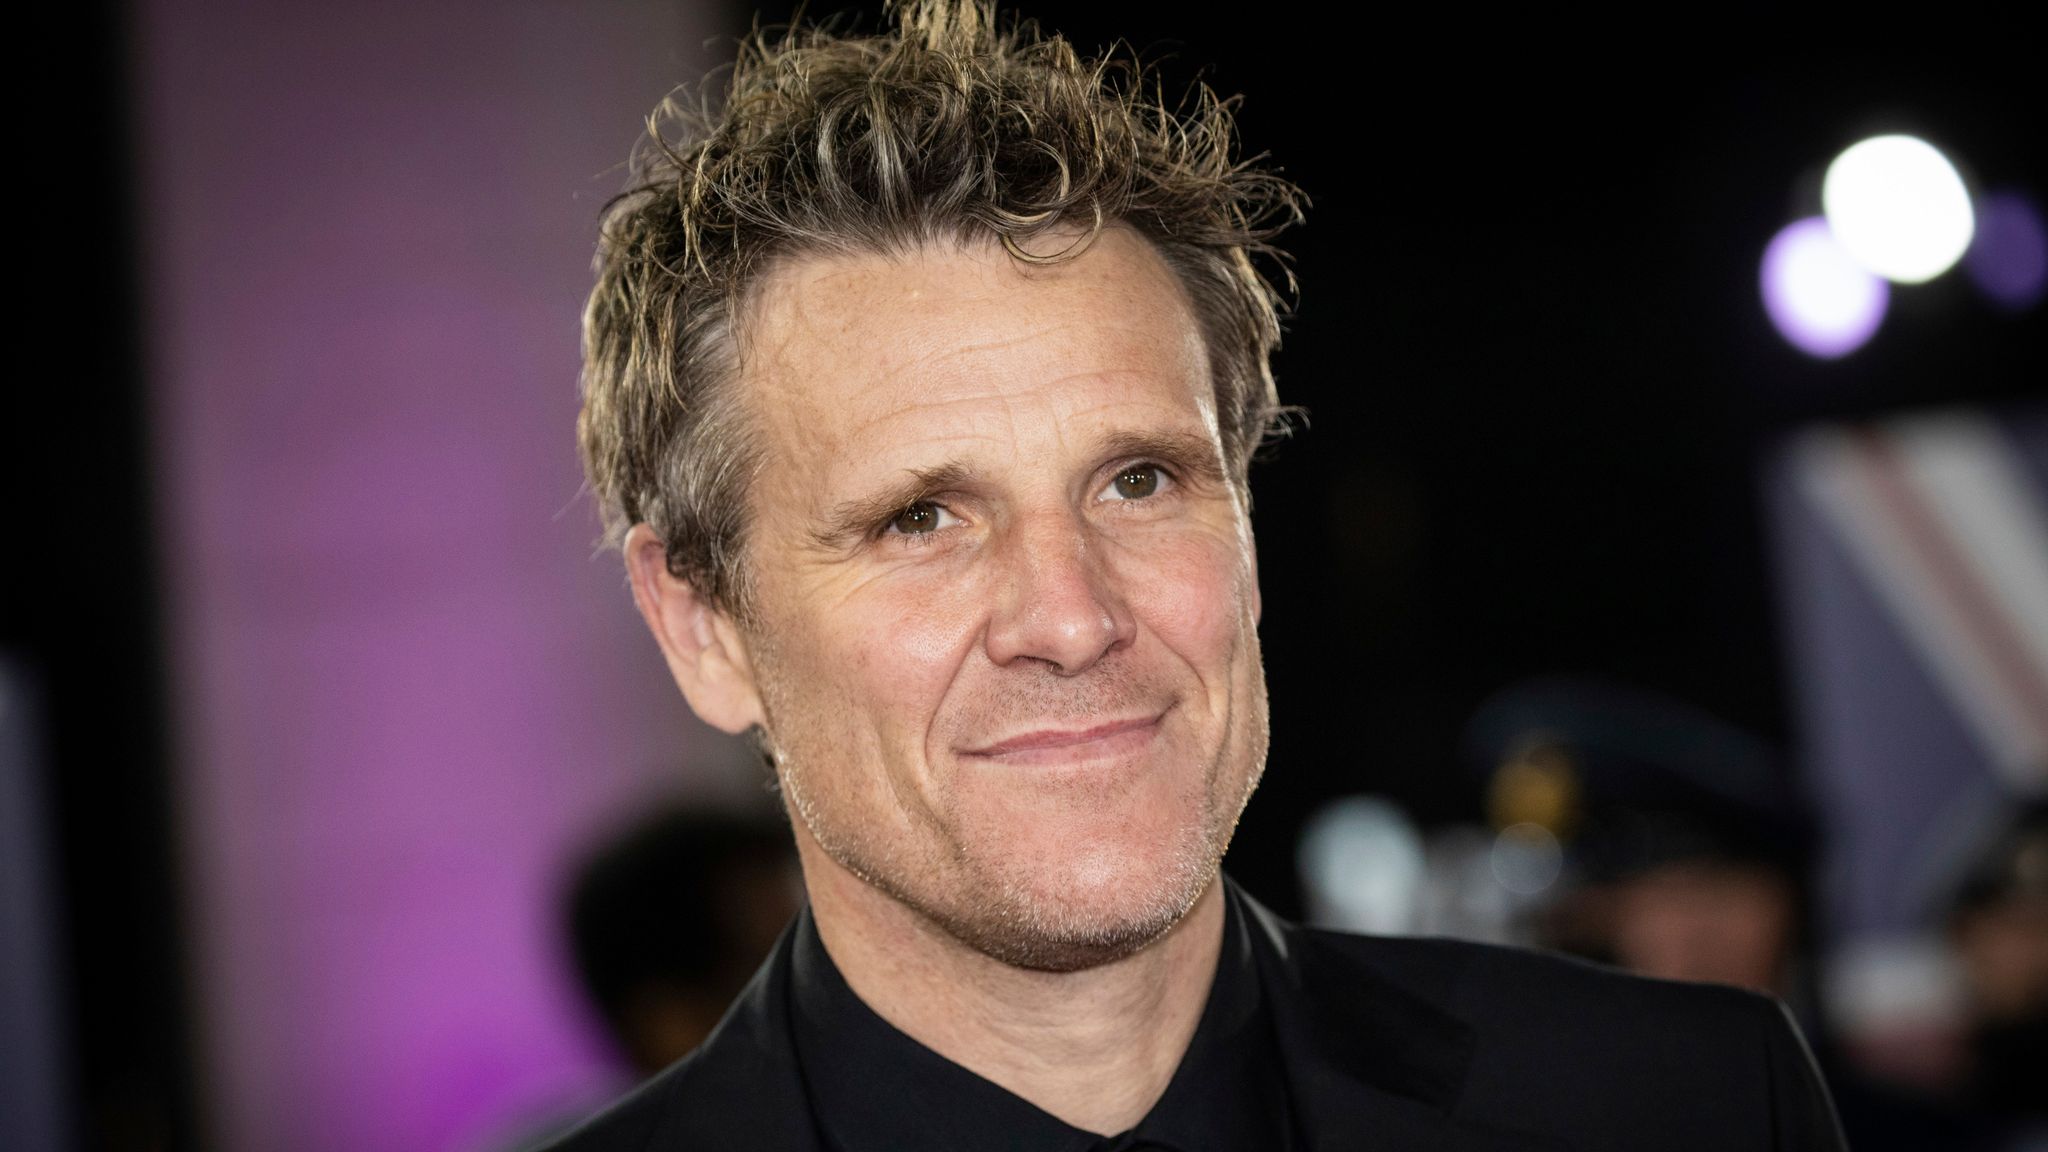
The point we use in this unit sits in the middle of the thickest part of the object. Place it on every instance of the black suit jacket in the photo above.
(1390, 1045)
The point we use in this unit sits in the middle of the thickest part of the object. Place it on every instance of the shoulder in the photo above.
(742, 1088)
(731, 1094)
(1516, 1040)
(1516, 989)
(629, 1124)
(1529, 1006)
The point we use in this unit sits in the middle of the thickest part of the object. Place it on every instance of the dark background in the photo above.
(1529, 340)
(80, 594)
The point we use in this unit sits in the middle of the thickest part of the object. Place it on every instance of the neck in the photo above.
(1095, 1048)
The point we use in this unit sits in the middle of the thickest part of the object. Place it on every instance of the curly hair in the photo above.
(946, 128)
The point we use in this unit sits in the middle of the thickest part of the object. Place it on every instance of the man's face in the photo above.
(1005, 599)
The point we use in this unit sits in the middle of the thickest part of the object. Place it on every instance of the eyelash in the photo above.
(1167, 475)
(886, 528)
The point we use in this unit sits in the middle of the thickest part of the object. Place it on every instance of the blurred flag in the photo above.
(1913, 568)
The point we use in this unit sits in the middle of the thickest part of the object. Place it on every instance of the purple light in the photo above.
(407, 693)
(1820, 299)
(2009, 260)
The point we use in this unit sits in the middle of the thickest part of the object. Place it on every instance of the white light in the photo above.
(1817, 295)
(1899, 207)
(1362, 863)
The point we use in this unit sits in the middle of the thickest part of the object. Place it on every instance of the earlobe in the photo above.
(705, 652)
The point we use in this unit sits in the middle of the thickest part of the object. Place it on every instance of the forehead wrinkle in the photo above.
(823, 296)
(1037, 390)
(787, 325)
(809, 312)
(1099, 335)
(1012, 338)
(819, 305)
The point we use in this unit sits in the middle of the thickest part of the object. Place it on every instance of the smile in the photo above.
(1049, 745)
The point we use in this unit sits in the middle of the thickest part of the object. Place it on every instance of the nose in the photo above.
(1057, 601)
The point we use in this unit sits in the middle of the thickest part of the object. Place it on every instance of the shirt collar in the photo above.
(874, 1088)
(1230, 1091)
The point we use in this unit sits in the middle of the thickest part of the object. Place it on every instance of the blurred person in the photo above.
(1999, 926)
(666, 920)
(670, 920)
(922, 378)
(1688, 855)
(1945, 1045)
(1685, 846)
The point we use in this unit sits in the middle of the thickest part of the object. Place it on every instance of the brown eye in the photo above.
(917, 519)
(1137, 482)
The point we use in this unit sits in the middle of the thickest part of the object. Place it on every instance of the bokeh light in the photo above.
(2008, 261)
(1361, 863)
(1899, 207)
(1526, 859)
(1820, 298)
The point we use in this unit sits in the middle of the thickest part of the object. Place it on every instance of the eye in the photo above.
(1135, 482)
(921, 518)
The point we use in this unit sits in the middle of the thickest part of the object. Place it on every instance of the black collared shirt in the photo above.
(875, 1089)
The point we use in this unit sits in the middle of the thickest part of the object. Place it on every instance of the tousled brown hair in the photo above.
(946, 128)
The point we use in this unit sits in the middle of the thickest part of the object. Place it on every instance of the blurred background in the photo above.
(1662, 577)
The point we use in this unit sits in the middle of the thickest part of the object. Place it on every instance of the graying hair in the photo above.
(944, 128)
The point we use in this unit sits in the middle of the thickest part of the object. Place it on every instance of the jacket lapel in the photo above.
(1371, 1066)
(743, 1088)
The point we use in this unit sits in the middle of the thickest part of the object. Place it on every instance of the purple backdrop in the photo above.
(407, 689)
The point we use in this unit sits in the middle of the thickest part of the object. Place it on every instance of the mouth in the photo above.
(1057, 744)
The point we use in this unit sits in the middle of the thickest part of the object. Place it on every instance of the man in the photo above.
(1685, 843)
(921, 384)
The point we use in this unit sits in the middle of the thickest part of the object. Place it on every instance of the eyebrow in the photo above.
(851, 519)
(1196, 457)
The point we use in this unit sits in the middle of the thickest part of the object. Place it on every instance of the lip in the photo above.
(1065, 743)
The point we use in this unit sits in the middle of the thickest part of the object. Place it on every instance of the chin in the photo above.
(1063, 911)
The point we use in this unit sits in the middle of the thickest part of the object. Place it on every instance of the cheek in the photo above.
(891, 648)
(919, 626)
(1195, 592)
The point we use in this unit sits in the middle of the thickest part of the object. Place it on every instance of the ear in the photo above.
(705, 651)
(1251, 550)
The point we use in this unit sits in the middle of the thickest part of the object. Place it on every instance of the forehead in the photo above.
(859, 362)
